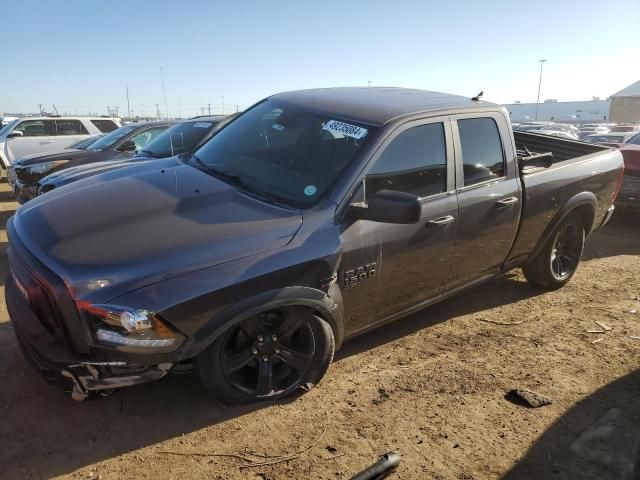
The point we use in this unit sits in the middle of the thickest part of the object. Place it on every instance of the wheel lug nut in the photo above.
(265, 358)
(277, 350)
(254, 350)
(274, 338)
(260, 338)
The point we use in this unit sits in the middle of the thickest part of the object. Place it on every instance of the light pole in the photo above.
(539, 84)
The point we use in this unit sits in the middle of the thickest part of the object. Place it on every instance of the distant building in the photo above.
(625, 105)
(565, 112)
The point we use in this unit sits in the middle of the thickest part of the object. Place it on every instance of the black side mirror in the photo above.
(389, 206)
(16, 133)
(128, 146)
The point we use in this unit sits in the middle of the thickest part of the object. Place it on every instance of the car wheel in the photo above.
(554, 266)
(268, 356)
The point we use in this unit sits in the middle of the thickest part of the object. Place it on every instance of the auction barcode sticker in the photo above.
(345, 129)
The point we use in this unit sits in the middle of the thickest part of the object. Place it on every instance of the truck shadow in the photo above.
(597, 439)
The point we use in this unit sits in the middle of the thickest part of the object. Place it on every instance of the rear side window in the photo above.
(142, 138)
(35, 128)
(105, 126)
(70, 127)
(414, 162)
(482, 154)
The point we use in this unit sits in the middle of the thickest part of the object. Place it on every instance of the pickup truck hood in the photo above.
(113, 234)
(72, 174)
(67, 154)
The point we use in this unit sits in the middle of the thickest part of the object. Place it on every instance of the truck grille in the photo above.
(38, 298)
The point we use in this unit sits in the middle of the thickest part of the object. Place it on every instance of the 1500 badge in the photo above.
(352, 277)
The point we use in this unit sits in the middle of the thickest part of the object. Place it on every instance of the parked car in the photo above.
(629, 196)
(625, 129)
(609, 138)
(555, 133)
(592, 129)
(181, 138)
(36, 135)
(312, 217)
(25, 173)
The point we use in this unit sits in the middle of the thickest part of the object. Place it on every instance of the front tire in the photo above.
(267, 356)
(558, 261)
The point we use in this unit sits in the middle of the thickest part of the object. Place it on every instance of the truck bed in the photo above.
(555, 170)
(533, 150)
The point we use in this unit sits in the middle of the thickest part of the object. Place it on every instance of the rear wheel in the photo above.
(558, 261)
(268, 356)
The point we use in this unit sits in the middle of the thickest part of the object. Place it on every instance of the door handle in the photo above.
(505, 202)
(438, 222)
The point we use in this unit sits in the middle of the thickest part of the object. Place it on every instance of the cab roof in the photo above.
(375, 105)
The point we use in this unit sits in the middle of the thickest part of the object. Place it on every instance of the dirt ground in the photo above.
(430, 387)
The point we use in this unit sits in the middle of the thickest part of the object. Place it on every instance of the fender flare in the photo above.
(308, 297)
(580, 200)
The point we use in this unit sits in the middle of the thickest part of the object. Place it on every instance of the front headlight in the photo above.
(130, 329)
(45, 166)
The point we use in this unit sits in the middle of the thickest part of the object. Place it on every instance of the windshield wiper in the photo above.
(151, 154)
(241, 184)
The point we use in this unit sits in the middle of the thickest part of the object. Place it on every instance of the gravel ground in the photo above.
(431, 386)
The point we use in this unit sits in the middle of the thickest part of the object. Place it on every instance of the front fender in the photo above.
(299, 296)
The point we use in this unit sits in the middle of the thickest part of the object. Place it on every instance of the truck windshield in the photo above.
(178, 139)
(285, 152)
(111, 138)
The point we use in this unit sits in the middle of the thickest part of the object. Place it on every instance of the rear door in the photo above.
(68, 131)
(387, 268)
(489, 196)
(38, 136)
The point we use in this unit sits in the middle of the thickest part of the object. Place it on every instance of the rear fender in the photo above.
(585, 203)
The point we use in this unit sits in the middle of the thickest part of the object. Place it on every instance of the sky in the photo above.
(81, 55)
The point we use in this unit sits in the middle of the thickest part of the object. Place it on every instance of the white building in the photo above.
(565, 112)
(625, 105)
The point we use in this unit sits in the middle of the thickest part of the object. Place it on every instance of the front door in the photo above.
(488, 194)
(38, 136)
(387, 268)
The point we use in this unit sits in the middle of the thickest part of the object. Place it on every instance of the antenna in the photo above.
(128, 107)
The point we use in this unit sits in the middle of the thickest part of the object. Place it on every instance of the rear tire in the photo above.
(558, 260)
(267, 356)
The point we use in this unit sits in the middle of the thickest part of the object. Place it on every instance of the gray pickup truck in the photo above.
(310, 218)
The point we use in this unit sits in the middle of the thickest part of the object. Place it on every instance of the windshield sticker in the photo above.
(345, 129)
(202, 125)
(277, 127)
(310, 190)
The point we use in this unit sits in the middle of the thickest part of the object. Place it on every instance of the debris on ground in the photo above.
(603, 325)
(598, 340)
(527, 398)
(380, 469)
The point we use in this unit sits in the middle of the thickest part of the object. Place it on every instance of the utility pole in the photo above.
(237, 108)
(180, 108)
(40, 108)
(223, 104)
(128, 106)
(539, 84)
(201, 110)
(158, 111)
(209, 108)
(164, 92)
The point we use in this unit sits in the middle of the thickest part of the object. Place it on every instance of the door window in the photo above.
(482, 154)
(105, 126)
(142, 138)
(35, 128)
(414, 162)
(70, 127)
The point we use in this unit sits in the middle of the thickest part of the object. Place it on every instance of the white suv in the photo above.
(29, 135)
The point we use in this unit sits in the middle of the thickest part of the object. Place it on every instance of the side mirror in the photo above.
(16, 133)
(389, 206)
(128, 146)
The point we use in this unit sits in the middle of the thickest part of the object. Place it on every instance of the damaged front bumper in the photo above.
(79, 375)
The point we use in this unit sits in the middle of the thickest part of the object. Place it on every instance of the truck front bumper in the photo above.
(79, 375)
